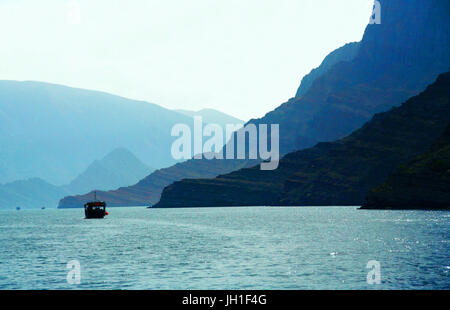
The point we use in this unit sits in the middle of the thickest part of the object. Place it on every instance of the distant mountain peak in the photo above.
(119, 152)
(54, 131)
(336, 173)
(394, 61)
(118, 168)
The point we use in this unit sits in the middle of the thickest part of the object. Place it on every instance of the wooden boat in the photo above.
(95, 209)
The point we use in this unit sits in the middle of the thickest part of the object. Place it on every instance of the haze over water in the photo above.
(225, 248)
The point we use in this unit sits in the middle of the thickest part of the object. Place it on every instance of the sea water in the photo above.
(225, 248)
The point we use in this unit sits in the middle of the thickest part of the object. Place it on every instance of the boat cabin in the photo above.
(95, 210)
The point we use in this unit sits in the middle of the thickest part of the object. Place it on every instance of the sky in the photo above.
(242, 57)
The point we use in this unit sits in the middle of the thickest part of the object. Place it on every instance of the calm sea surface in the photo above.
(225, 248)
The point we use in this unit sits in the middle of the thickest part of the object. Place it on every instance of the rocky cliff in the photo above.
(345, 53)
(423, 183)
(333, 173)
(394, 61)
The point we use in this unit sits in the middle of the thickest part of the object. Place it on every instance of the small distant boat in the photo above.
(17, 208)
(43, 208)
(95, 209)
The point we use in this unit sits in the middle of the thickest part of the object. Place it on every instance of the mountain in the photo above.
(345, 53)
(333, 173)
(119, 168)
(422, 183)
(148, 190)
(30, 194)
(54, 132)
(213, 116)
(394, 61)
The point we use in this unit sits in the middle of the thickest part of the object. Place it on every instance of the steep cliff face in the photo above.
(423, 183)
(345, 53)
(334, 173)
(395, 60)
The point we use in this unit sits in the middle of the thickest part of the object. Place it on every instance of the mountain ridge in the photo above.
(344, 53)
(116, 169)
(331, 173)
(213, 116)
(422, 183)
(389, 67)
(29, 194)
(147, 191)
(54, 132)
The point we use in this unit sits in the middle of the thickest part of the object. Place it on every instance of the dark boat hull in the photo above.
(95, 210)
(94, 215)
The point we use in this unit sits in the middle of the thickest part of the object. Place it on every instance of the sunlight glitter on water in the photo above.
(225, 248)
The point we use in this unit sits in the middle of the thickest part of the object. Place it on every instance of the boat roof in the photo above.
(96, 204)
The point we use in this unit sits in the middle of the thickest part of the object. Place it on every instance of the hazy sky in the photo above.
(243, 57)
